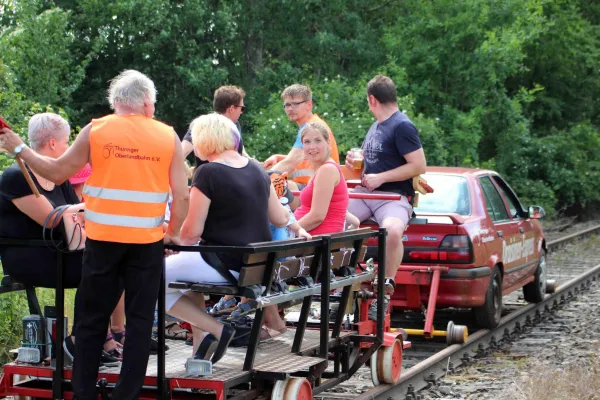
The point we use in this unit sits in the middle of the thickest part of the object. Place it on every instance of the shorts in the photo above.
(380, 209)
(189, 266)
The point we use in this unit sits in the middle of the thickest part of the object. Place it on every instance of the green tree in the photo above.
(36, 49)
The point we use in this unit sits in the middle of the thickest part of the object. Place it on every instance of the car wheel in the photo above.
(535, 291)
(488, 315)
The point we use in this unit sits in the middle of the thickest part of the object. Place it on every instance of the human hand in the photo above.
(303, 234)
(9, 140)
(372, 181)
(171, 239)
(350, 159)
(271, 161)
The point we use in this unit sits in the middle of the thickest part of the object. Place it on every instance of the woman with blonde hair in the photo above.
(232, 202)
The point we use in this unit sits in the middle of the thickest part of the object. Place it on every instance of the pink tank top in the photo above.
(336, 214)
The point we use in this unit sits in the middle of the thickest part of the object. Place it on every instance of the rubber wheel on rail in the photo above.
(386, 364)
(292, 389)
(535, 291)
(488, 316)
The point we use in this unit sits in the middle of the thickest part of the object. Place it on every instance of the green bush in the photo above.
(343, 105)
(13, 307)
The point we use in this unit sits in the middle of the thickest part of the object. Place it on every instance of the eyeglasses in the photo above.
(242, 107)
(293, 104)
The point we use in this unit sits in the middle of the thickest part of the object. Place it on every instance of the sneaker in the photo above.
(373, 308)
(111, 358)
(224, 306)
(69, 348)
(389, 286)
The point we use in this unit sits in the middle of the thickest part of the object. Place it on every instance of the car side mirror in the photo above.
(536, 212)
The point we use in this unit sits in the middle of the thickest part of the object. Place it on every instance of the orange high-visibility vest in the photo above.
(127, 192)
(304, 171)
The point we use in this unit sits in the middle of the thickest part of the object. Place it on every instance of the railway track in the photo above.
(428, 361)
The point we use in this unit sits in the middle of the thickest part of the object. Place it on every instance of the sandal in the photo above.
(268, 333)
(223, 306)
(243, 309)
(113, 355)
(175, 332)
(119, 337)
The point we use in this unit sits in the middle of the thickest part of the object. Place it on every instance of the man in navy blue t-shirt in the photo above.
(393, 155)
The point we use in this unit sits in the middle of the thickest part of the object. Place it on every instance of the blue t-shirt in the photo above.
(384, 148)
(298, 142)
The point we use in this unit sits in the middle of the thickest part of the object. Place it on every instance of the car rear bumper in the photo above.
(458, 287)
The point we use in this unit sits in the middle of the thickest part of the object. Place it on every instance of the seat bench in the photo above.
(294, 271)
(270, 268)
(9, 284)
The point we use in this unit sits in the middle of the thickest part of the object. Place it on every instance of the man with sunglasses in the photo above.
(228, 101)
(297, 103)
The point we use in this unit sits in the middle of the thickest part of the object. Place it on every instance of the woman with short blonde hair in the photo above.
(232, 202)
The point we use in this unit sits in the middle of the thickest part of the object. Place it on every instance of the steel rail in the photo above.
(426, 373)
(557, 243)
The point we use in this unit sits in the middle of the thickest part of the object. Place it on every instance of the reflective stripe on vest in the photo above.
(125, 195)
(124, 221)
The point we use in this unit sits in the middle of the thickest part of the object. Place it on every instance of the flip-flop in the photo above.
(268, 333)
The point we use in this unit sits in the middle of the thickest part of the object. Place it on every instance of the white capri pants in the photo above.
(189, 266)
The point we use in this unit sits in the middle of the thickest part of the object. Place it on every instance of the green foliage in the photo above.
(510, 85)
(36, 50)
(13, 307)
(343, 106)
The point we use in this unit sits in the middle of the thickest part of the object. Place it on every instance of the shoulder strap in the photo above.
(50, 222)
(214, 261)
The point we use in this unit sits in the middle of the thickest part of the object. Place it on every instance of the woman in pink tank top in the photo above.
(325, 198)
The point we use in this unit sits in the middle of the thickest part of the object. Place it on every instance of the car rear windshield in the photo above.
(451, 195)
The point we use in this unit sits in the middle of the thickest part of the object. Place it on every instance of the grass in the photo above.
(13, 307)
(581, 382)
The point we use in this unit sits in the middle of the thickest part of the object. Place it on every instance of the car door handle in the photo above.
(500, 233)
(521, 229)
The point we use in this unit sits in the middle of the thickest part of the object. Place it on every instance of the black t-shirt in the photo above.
(238, 212)
(384, 148)
(14, 223)
(240, 149)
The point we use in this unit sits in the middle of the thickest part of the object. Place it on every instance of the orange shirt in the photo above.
(304, 171)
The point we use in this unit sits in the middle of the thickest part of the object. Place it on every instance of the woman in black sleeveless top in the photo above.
(232, 202)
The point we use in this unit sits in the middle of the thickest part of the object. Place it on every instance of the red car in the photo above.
(482, 242)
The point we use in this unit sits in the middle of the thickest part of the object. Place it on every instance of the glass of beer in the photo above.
(357, 158)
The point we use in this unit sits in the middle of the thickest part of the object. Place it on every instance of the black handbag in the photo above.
(243, 328)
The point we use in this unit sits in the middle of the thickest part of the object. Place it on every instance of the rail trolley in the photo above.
(307, 359)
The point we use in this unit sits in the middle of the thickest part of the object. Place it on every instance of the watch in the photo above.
(19, 149)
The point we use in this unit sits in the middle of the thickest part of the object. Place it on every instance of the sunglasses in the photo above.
(242, 107)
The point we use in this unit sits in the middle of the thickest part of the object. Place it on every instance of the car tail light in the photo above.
(453, 249)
